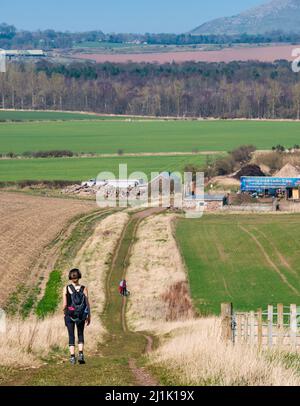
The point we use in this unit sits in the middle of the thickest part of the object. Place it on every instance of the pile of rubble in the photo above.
(106, 191)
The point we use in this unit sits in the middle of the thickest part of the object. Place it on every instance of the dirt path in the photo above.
(143, 378)
(119, 266)
(269, 260)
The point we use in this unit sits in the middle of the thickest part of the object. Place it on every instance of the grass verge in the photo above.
(83, 229)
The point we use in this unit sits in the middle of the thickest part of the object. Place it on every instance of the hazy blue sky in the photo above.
(118, 15)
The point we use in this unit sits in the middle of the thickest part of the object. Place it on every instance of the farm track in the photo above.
(128, 155)
(90, 116)
(120, 262)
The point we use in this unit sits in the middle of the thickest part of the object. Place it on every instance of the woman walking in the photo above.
(77, 312)
(123, 288)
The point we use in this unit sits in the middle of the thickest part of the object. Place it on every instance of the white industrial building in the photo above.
(25, 53)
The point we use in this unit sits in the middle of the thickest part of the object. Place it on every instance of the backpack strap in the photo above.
(81, 290)
(72, 288)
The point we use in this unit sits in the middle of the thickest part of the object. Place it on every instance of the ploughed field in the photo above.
(250, 260)
(27, 225)
(269, 53)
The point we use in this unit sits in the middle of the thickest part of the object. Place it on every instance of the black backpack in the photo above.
(79, 311)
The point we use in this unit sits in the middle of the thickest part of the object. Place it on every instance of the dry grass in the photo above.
(26, 341)
(155, 266)
(275, 160)
(27, 225)
(179, 303)
(191, 351)
(293, 159)
(204, 359)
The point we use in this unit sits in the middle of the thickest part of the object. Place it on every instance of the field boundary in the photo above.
(157, 118)
(185, 267)
(275, 327)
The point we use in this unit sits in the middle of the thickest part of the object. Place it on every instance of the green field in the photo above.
(50, 116)
(150, 136)
(87, 168)
(251, 261)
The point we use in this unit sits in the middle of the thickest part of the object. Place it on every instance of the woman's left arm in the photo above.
(88, 320)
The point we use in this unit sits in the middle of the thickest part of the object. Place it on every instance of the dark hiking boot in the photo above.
(72, 360)
(81, 359)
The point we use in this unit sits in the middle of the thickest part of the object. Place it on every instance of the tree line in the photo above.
(234, 90)
(11, 38)
(197, 39)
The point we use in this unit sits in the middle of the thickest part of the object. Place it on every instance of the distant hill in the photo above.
(277, 15)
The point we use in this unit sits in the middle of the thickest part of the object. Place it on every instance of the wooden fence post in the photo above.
(293, 326)
(226, 315)
(270, 326)
(280, 324)
(259, 328)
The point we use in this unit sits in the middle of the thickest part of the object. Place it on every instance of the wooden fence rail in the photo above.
(274, 327)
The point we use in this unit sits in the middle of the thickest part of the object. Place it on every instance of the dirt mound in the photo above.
(250, 170)
(288, 171)
(265, 169)
(224, 181)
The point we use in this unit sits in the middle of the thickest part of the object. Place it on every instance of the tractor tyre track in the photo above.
(269, 260)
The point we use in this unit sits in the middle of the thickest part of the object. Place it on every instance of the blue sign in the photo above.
(260, 184)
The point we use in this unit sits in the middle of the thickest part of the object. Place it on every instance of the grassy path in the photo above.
(121, 339)
(119, 360)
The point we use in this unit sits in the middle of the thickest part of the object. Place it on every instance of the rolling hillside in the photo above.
(277, 15)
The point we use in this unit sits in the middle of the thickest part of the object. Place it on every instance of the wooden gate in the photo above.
(277, 326)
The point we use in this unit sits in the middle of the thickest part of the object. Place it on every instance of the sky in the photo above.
(138, 16)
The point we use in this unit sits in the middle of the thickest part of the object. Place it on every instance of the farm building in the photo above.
(215, 202)
(272, 186)
(208, 201)
(25, 53)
